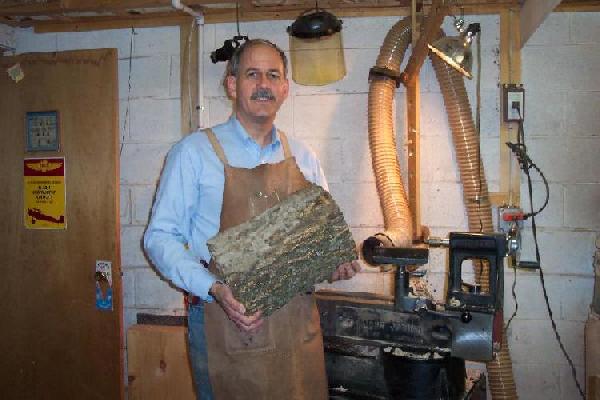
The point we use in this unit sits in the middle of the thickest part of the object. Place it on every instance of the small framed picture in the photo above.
(42, 131)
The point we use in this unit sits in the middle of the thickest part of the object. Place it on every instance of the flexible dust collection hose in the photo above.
(396, 212)
(476, 199)
(500, 374)
(382, 139)
(466, 146)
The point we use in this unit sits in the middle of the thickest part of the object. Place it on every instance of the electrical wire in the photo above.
(479, 264)
(237, 18)
(537, 257)
(526, 164)
(520, 151)
(514, 296)
(126, 117)
(478, 128)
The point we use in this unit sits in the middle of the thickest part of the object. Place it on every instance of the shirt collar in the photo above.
(243, 136)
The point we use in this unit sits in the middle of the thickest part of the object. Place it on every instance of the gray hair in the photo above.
(233, 66)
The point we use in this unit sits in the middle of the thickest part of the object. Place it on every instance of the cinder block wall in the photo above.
(562, 125)
(7, 36)
(562, 129)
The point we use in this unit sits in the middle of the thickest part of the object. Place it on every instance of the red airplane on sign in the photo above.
(36, 214)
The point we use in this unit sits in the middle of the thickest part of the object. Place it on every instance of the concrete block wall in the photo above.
(562, 130)
(7, 36)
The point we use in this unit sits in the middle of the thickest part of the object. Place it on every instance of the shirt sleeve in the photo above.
(308, 163)
(318, 174)
(166, 238)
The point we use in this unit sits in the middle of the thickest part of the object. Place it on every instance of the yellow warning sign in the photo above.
(44, 186)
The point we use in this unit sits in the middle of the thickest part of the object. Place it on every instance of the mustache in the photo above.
(262, 94)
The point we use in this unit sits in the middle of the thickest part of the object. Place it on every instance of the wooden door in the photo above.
(54, 342)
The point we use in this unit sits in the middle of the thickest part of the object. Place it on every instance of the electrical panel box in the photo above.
(513, 102)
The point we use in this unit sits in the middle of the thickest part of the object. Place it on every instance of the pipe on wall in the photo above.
(396, 211)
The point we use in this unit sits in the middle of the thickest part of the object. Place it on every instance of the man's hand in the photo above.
(234, 309)
(345, 271)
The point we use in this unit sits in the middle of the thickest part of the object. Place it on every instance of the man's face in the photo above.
(260, 87)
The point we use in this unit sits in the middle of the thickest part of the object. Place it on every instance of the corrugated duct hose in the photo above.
(476, 199)
(382, 140)
(396, 212)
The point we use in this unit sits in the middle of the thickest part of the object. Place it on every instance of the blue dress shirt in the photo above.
(187, 208)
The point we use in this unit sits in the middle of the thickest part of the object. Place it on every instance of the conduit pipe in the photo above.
(396, 212)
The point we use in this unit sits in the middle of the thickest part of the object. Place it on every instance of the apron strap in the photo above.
(287, 153)
(216, 146)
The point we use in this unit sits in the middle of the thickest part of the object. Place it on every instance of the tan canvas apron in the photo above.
(284, 359)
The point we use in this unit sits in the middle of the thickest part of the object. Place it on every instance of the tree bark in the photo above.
(284, 251)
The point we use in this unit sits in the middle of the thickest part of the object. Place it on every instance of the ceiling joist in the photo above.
(78, 15)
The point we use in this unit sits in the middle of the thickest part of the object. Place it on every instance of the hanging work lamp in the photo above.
(456, 50)
(316, 50)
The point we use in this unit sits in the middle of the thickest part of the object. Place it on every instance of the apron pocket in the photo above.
(240, 342)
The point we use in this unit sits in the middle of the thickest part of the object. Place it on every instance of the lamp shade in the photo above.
(319, 61)
(316, 50)
(456, 51)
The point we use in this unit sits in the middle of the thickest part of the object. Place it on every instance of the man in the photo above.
(210, 182)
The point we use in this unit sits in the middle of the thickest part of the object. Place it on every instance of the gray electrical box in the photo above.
(513, 102)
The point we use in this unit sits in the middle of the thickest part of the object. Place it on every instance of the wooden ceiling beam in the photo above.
(222, 15)
(430, 31)
(62, 15)
(533, 13)
(578, 6)
(91, 5)
(111, 22)
(65, 6)
(51, 6)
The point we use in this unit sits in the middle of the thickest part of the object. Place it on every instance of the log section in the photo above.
(284, 251)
